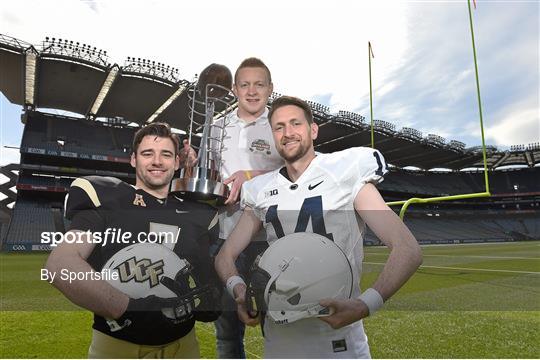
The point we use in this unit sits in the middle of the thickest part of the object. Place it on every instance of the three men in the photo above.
(332, 195)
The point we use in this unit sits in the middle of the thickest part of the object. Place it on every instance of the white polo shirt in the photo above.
(247, 146)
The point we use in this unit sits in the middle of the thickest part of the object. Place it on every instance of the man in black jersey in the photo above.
(126, 327)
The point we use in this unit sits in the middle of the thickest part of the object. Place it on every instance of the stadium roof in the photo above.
(79, 78)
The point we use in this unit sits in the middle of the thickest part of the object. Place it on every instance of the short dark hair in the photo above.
(291, 100)
(158, 129)
(255, 63)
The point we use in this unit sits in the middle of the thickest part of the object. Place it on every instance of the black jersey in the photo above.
(122, 215)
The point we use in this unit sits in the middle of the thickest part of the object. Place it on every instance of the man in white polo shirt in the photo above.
(249, 151)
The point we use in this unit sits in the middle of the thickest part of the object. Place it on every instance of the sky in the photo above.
(422, 71)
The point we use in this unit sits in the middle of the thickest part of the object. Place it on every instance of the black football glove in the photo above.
(182, 305)
(150, 309)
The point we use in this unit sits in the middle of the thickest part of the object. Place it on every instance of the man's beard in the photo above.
(292, 157)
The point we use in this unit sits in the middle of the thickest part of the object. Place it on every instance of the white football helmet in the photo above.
(294, 273)
(141, 270)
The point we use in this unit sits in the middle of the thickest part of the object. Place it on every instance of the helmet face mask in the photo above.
(256, 285)
(295, 273)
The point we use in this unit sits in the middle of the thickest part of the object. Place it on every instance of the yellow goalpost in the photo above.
(406, 203)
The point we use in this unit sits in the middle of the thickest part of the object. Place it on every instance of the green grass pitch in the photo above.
(466, 301)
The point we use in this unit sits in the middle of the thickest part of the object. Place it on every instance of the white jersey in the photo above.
(320, 201)
(246, 146)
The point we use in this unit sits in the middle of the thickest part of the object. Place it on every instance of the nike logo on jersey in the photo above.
(311, 187)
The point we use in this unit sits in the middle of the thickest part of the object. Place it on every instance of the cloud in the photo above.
(434, 89)
(519, 127)
(9, 156)
(423, 74)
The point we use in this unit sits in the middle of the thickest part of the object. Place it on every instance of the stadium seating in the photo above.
(45, 181)
(464, 228)
(440, 184)
(75, 135)
(30, 218)
(511, 214)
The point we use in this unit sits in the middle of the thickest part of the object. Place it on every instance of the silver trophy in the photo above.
(209, 100)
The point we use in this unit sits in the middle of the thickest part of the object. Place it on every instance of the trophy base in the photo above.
(200, 189)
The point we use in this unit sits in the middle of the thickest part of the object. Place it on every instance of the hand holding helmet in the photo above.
(248, 317)
(343, 312)
(178, 308)
(156, 280)
(294, 274)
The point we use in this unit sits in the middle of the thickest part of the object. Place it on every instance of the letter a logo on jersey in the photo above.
(140, 271)
(139, 201)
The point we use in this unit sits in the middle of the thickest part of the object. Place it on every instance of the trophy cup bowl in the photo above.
(211, 98)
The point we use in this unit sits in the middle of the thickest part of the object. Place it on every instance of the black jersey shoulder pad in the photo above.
(90, 192)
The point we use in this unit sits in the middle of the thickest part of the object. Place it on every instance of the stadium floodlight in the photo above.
(75, 49)
(384, 125)
(273, 97)
(456, 145)
(517, 148)
(351, 117)
(30, 78)
(410, 133)
(436, 140)
(181, 88)
(319, 110)
(113, 73)
(150, 67)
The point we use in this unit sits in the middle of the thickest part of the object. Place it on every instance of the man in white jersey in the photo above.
(332, 195)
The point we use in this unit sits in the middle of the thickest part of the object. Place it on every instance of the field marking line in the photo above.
(470, 256)
(467, 269)
(503, 243)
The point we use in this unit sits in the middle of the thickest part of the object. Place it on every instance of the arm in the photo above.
(405, 253)
(247, 226)
(405, 256)
(97, 296)
(237, 179)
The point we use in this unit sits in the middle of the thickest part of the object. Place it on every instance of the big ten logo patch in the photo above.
(269, 193)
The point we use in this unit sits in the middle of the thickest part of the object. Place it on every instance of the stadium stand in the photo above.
(74, 136)
(466, 227)
(33, 217)
(445, 183)
(56, 148)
